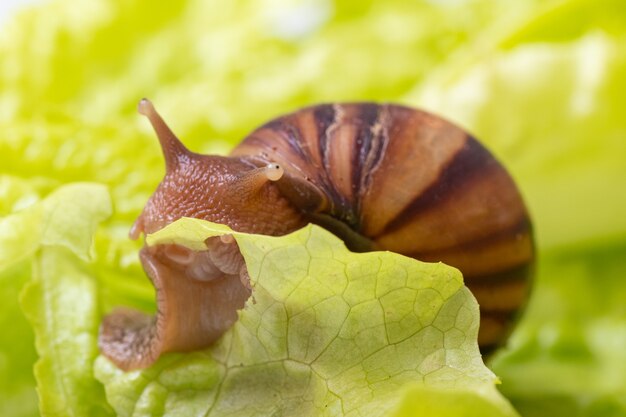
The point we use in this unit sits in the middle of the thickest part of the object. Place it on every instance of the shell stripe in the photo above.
(325, 117)
(413, 150)
(372, 140)
(500, 297)
(501, 251)
(470, 161)
(493, 327)
(351, 146)
(328, 119)
(516, 273)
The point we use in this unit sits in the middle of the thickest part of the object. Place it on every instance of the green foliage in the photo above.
(540, 83)
(328, 332)
(59, 301)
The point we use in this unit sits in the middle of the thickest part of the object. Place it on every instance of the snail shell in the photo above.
(381, 177)
(410, 182)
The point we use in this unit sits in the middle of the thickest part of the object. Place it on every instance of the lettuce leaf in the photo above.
(60, 299)
(17, 347)
(326, 332)
(60, 303)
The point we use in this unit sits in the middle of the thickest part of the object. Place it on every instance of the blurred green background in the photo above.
(542, 84)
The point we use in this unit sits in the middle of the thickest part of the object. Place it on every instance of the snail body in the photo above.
(381, 177)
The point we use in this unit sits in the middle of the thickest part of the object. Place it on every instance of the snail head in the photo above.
(198, 292)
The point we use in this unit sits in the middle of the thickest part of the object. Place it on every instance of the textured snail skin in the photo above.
(382, 177)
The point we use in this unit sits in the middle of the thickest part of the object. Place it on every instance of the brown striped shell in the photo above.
(412, 183)
(379, 176)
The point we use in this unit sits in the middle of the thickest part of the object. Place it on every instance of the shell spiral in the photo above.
(388, 177)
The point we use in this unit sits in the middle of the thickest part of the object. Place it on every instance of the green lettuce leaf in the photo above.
(59, 300)
(60, 303)
(48, 222)
(17, 347)
(326, 332)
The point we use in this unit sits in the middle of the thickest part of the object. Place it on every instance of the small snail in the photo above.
(381, 177)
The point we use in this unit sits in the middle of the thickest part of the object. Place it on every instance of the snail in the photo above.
(379, 176)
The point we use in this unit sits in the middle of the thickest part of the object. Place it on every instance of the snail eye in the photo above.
(274, 172)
